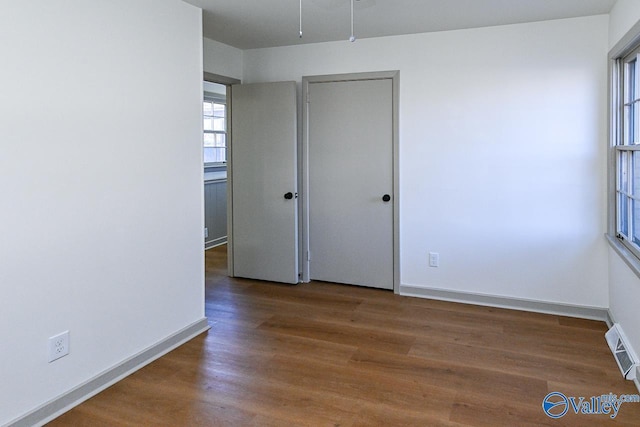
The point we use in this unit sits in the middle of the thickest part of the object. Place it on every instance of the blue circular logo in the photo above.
(555, 404)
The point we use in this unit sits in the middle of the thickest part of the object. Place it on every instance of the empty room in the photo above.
(320, 213)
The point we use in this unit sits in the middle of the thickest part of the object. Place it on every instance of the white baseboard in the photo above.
(210, 244)
(583, 312)
(610, 319)
(95, 385)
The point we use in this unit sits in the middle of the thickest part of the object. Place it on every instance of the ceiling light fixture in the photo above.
(352, 38)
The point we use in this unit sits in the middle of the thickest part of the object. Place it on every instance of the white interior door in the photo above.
(350, 171)
(264, 181)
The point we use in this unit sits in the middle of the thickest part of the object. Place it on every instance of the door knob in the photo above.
(288, 195)
(386, 198)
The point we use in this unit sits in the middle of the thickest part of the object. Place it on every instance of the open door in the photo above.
(264, 180)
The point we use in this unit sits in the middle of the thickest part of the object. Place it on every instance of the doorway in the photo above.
(215, 164)
(350, 178)
(216, 148)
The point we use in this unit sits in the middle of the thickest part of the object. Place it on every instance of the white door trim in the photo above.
(394, 76)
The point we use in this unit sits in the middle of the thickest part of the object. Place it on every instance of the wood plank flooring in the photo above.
(322, 354)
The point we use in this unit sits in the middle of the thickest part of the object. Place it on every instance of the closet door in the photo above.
(350, 179)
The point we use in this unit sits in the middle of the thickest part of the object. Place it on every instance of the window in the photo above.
(627, 150)
(215, 129)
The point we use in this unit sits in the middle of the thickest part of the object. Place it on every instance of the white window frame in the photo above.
(622, 146)
(218, 99)
(626, 147)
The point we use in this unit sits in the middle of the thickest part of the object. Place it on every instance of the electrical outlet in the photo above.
(58, 346)
(434, 259)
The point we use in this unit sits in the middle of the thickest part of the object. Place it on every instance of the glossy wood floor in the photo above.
(328, 355)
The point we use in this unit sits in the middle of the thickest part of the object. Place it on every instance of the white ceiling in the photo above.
(248, 24)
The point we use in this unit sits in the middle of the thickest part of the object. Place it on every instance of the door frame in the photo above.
(228, 82)
(394, 76)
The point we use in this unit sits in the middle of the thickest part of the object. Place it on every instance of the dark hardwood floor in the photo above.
(322, 354)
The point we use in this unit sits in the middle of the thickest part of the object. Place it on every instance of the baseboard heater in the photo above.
(625, 357)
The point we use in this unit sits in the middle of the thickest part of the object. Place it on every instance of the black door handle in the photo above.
(386, 198)
(288, 195)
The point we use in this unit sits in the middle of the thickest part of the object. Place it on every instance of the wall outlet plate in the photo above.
(434, 259)
(58, 346)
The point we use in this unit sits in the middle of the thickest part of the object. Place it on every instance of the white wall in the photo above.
(222, 59)
(502, 154)
(623, 16)
(624, 296)
(101, 183)
(624, 285)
